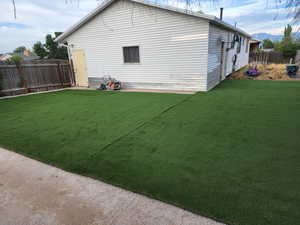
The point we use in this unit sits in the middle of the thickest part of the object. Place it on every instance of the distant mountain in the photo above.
(273, 37)
(262, 36)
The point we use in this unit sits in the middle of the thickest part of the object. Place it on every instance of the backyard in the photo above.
(231, 154)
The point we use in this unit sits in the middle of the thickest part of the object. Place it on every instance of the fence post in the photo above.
(22, 77)
(60, 75)
(30, 77)
(1, 84)
(72, 73)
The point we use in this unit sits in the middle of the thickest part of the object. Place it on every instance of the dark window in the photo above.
(131, 54)
(247, 46)
(239, 44)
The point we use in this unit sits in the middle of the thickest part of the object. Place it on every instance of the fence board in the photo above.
(262, 57)
(37, 76)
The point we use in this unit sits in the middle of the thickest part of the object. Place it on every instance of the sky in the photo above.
(36, 18)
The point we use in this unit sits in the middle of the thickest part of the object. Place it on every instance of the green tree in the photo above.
(14, 60)
(17, 60)
(20, 49)
(287, 34)
(267, 44)
(61, 52)
(288, 48)
(39, 49)
(288, 45)
(50, 49)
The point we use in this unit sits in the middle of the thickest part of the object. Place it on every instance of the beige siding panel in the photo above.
(216, 35)
(173, 47)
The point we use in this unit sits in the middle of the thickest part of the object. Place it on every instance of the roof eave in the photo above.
(84, 20)
(106, 3)
(219, 22)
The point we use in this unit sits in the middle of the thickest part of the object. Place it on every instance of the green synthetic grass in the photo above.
(232, 154)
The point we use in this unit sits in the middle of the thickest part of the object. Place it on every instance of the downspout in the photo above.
(69, 51)
(70, 60)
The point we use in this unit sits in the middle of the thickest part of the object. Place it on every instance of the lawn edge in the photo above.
(122, 187)
(33, 93)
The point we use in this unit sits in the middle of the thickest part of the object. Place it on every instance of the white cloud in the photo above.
(273, 27)
(253, 16)
(43, 17)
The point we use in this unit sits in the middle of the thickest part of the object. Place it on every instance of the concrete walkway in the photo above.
(32, 93)
(33, 193)
(93, 89)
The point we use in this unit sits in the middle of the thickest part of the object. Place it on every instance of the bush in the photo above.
(14, 60)
(288, 48)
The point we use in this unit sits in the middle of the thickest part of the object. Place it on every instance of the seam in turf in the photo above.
(144, 123)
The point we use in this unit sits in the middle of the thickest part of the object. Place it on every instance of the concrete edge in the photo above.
(33, 93)
(209, 220)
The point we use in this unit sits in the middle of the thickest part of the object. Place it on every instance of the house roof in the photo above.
(26, 55)
(107, 3)
(255, 41)
(4, 57)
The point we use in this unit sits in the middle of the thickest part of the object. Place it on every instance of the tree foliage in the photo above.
(40, 50)
(17, 60)
(293, 6)
(50, 49)
(20, 49)
(14, 60)
(288, 46)
(268, 44)
(287, 34)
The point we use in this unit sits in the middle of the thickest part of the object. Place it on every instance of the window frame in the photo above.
(239, 47)
(125, 60)
(247, 46)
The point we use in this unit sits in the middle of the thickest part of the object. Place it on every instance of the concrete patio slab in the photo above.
(34, 193)
(139, 90)
(32, 93)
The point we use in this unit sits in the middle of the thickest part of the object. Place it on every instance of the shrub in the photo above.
(14, 60)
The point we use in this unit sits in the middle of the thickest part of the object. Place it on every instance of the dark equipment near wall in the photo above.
(292, 70)
(109, 83)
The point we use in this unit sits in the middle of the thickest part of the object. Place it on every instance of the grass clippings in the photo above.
(268, 72)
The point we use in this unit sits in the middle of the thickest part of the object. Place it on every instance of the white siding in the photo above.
(173, 47)
(216, 35)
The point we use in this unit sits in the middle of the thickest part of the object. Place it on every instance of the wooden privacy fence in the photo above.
(262, 57)
(34, 77)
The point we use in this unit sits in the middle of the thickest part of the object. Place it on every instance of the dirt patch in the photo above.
(268, 72)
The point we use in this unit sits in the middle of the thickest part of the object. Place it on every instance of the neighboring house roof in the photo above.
(268, 50)
(5, 57)
(107, 3)
(27, 55)
(254, 41)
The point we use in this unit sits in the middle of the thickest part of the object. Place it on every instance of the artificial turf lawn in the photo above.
(232, 154)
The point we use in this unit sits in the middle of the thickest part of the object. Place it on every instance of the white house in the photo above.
(151, 46)
(5, 57)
